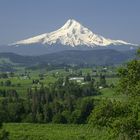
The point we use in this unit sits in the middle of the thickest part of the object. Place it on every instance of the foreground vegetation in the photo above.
(54, 132)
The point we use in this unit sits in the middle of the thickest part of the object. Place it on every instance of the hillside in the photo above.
(94, 57)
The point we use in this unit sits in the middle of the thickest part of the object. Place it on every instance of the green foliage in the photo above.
(59, 118)
(7, 83)
(3, 75)
(106, 112)
(49, 104)
(102, 81)
(138, 52)
(87, 77)
(4, 135)
(118, 117)
(122, 119)
(130, 79)
(126, 128)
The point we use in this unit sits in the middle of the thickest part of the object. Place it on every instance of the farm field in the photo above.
(53, 132)
(22, 80)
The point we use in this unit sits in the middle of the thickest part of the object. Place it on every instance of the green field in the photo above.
(50, 77)
(53, 132)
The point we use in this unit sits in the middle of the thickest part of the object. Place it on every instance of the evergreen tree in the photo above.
(102, 81)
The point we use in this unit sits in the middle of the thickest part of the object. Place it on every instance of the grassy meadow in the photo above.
(21, 131)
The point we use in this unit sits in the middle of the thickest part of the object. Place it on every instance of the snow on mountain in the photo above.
(72, 34)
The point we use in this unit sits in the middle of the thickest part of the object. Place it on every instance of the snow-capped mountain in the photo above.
(71, 34)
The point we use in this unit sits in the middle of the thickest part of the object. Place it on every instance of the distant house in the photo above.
(94, 72)
(105, 68)
(24, 77)
(77, 79)
(100, 87)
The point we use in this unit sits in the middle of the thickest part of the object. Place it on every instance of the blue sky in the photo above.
(116, 19)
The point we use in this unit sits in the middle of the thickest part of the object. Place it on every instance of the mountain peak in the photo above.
(71, 22)
(72, 33)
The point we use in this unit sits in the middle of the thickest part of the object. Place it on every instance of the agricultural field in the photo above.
(53, 132)
(23, 79)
